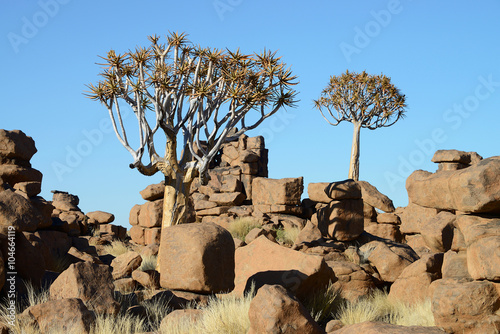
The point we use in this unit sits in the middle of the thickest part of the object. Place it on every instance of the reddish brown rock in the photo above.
(299, 272)
(388, 218)
(197, 257)
(90, 282)
(389, 258)
(13, 174)
(125, 285)
(82, 256)
(415, 218)
(17, 211)
(16, 144)
(475, 189)
(375, 198)
(309, 235)
(137, 234)
(152, 235)
(438, 234)
(385, 231)
(412, 286)
(456, 156)
(277, 191)
(216, 211)
(30, 253)
(347, 189)
(417, 243)
(483, 259)
(115, 231)
(229, 199)
(153, 191)
(474, 228)
(342, 220)
(455, 265)
(68, 315)
(368, 327)
(151, 214)
(316, 192)
(101, 217)
(204, 204)
(134, 215)
(149, 279)
(466, 307)
(31, 189)
(124, 264)
(275, 310)
(353, 282)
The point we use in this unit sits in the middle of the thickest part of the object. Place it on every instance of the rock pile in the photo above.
(456, 211)
(48, 235)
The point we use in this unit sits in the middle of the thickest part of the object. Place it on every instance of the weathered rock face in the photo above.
(412, 285)
(298, 272)
(415, 218)
(466, 307)
(389, 258)
(197, 257)
(375, 198)
(341, 220)
(101, 217)
(17, 211)
(353, 282)
(475, 189)
(123, 265)
(455, 265)
(277, 191)
(69, 315)
(456, 156)
(275, 310)
(16, 145)
(368, 327)
(482, 238)
(92, 283)
(153, 191)
(438, 233)
(316, 192)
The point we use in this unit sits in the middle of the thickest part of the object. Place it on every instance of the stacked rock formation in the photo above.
(45, 232)
(456, 211)
(146, 218)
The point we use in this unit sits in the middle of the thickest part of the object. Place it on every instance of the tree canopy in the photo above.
(367, 101)
(201, 93)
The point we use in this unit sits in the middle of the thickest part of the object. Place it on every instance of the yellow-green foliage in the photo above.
(116, 248)
(378, 307)
(240, 227)
(322, 305)
(148, 262)
(225, 314)
(287, 235)
(122, 324)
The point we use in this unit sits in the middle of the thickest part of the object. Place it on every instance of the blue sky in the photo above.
(444, 56)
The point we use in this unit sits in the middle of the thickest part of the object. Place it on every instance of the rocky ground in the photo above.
(251, 233)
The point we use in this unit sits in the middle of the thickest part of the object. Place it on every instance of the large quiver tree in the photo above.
(197, 98)
(367, 101)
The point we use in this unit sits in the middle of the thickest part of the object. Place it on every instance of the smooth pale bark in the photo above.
(176, 202)
(354, 163)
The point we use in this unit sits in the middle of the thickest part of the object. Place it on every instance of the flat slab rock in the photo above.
(369, 327)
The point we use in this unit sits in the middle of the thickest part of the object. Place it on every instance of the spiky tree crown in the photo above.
(186, 86)
(369, 100)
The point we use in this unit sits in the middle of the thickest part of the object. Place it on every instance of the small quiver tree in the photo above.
(367, 101)
(197, 98)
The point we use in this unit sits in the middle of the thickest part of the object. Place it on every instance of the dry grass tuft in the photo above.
(240, 227)
(148, 262)
(378, 307)
(322, 305)
(286, 235)
(116, 248)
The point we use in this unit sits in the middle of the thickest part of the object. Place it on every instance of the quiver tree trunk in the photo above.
(354, 164)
